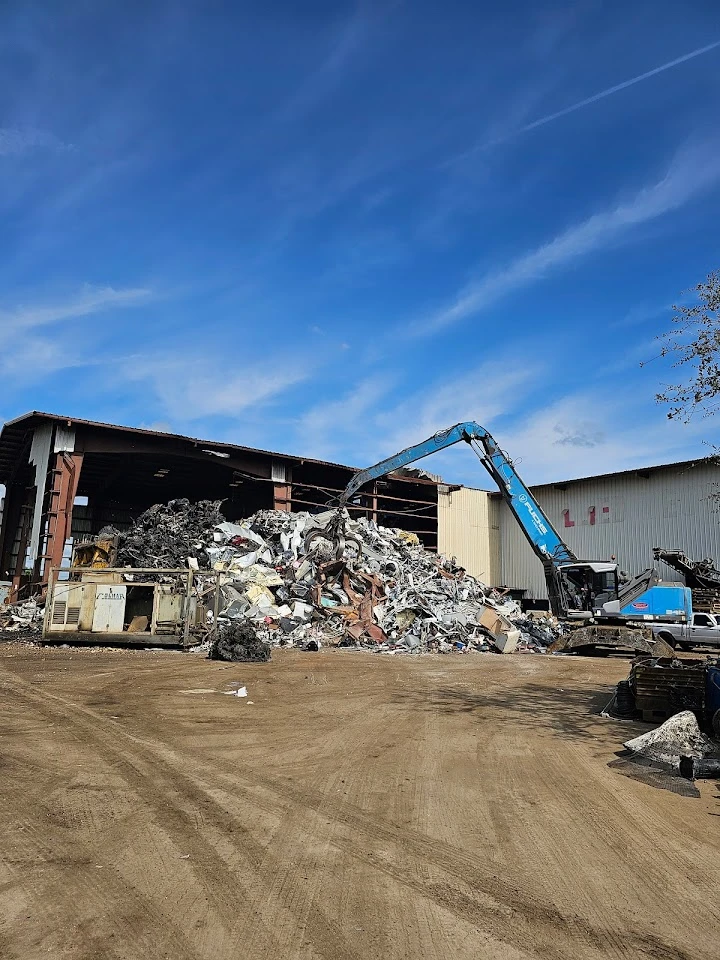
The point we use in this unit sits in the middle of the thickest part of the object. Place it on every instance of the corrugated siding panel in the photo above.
(468, 529)
(671, 508)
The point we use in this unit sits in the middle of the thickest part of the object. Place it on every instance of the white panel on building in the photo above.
(278, 471)
(64, 439)
(39, 457)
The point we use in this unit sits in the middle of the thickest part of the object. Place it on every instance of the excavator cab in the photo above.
(587, 586)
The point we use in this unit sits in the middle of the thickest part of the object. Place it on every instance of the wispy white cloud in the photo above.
(29, 359)
(317, 429)
(640, 313)
(36, 337)
(482, 393)
(693, 170)
(581, 433)
(378, 416)
(88, 301)
(588, 432)
(346, 43)
(188, 388)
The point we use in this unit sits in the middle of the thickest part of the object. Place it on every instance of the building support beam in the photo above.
(282, 497)
(66, 476)
(282, 486)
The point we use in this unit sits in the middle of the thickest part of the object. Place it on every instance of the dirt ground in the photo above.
(351, 807)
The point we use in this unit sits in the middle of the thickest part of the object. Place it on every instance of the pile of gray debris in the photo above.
(21, 621)
(391, 596)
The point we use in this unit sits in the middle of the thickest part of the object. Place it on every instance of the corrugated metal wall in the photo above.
(468, 529)
(623, 514)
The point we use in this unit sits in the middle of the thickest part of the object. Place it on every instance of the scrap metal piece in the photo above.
(334, 531)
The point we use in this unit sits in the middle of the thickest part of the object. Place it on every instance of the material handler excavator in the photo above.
(586, 595)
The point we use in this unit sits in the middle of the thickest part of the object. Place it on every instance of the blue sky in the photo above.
(333, 228)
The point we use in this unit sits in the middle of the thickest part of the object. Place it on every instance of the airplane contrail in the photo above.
(598, 96)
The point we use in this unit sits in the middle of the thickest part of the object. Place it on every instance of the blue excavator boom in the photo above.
(540, 533)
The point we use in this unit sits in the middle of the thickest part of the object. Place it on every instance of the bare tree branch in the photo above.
(694, 341)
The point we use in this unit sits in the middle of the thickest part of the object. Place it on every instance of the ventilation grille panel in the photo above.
(58, 616)
(73, 616)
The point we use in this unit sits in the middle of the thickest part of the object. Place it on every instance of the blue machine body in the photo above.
(671, 602)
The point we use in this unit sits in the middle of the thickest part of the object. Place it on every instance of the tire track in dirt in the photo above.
(223, 864)
(504, 898)
(548, 846)
(507, 913)
(48, 849)
(640, 861)
(41, 871)
(596, 932)
(291, 838)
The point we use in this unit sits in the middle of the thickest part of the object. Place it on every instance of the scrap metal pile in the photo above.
(389, 595)
(167, 534)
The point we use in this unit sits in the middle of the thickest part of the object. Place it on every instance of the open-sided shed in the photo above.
(66, 478)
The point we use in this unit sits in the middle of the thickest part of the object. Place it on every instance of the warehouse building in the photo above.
(625, 515)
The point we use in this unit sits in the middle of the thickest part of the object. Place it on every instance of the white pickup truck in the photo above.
(704, 630)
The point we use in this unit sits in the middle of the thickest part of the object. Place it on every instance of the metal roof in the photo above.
(552, 484)
(13, 437)
(14, 433)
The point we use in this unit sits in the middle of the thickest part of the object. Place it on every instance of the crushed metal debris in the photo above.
(166, 534)
(388, 594)
(264, 577)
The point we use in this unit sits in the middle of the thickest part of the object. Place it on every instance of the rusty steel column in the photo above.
(66, 476)
(282, 497)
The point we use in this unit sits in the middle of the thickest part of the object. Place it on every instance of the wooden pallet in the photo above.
(706, 600)
(664, 690)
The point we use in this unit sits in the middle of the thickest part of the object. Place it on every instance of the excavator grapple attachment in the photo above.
(588, 639)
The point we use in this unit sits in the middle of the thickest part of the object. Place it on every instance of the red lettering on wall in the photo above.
(591, 511)
(566, 518)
